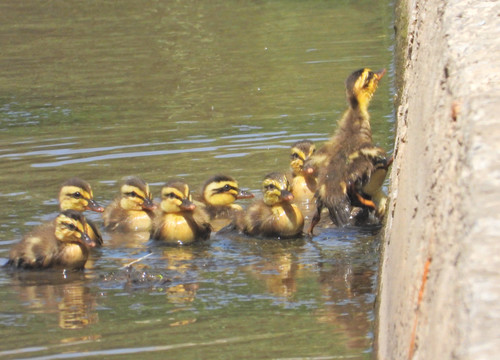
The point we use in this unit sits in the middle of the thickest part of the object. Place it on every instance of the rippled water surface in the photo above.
(183, 89)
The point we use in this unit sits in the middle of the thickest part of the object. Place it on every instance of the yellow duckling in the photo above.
(179, 221)
(274, 215)
(133, 210)
(303, 183)
(219, 194)
(76, 194)
(62, 243)
(350, 169)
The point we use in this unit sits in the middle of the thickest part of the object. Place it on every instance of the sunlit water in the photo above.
(184, 89)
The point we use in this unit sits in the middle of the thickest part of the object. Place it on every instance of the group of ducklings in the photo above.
(345, 176)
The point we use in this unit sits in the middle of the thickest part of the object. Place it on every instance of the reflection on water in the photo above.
(183, 89)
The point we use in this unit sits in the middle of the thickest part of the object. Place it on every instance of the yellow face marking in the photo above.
(365, 86)
(69, 229)
(221, 193)
(300, 154)
(272, 188)
(133, 197)
(173, 197)
(74, 198)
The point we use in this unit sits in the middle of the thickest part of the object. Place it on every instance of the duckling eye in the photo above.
(132, 194)
(71, 227)
(170, 196)
(270, 187)
(227, 187)
(77, 195)
(295, 156)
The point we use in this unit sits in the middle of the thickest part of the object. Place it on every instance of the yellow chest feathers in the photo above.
(139, 221)
(73, 255)
(175, 228)
(287, 219)
(302, 189)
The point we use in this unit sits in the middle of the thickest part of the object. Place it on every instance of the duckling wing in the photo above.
(37, 250)
(367, 169)
(202, 224)
(94, 233)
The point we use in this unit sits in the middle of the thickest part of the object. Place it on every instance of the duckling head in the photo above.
(135, 195)
(70, 227)
(361, 85)
(176, 197)
(276, 189)
(299, 153)
(76, 194)
(222, 190)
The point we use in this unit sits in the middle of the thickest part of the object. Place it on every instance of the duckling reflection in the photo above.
(279, 274)
(180, 261)
(70, 299)
(346, 285)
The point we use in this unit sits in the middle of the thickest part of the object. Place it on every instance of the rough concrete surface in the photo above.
(440, 276)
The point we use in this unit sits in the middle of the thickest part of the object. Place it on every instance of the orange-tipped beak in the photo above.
(244, 195)
(87, 240)
(286, 195)
(94, 206)
(148, 204)
(379, 74)
(187, 205)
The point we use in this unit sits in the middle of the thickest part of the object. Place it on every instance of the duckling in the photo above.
(76, 194)
(133, 210)
(62, 243)
(346, 164)
(179, 220)
(274, 215)
(303, 183)
(219, 194)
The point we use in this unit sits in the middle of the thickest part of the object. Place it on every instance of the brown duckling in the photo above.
(274, 215)
(62, 243)
(303, 183)
(219, 194)
(133, 210)
(346, 164)
(179, 220)
(76, 194)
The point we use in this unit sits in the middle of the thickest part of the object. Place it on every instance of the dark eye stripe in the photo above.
(172, 195)
(225, 188)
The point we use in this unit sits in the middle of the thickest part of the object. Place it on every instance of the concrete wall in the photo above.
(440, 276)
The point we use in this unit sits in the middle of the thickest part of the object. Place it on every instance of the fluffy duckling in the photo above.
(303, 183)
(274, 215)
(76, 194)
(63, 243)
(349, 168)
(219, 194)
(133, 210)
(179, 221)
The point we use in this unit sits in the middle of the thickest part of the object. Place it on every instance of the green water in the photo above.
(183, 89)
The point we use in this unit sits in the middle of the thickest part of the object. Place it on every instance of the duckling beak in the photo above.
(94, 206)
(87, 240)
(244, 195)
(379, 74)
(148, 204)
(286, 195)
(187, 205)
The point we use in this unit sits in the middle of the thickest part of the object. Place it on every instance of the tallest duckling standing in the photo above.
(350, 169)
